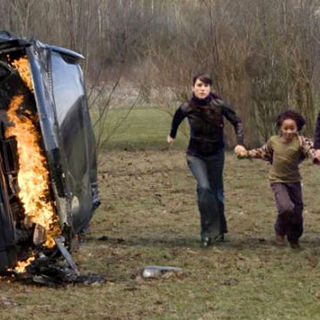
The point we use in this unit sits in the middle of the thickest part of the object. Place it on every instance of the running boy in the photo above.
(285, 152)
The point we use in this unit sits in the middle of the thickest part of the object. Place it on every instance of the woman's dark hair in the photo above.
(290, 114)
(202, 77)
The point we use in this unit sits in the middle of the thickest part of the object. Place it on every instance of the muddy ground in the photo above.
(148, 216)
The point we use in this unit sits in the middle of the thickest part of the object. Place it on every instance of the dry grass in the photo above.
(150, 217)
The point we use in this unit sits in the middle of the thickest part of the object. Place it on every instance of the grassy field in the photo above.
(149, 216)
(141, 129)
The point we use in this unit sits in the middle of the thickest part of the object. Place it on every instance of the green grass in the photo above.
(150, 217)
(140, 128)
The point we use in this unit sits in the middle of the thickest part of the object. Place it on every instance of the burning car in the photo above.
(48, 173)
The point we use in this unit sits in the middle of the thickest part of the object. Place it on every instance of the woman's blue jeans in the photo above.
(208, 171)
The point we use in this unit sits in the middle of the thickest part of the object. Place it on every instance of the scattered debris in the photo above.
(158, 271)
(54, 266)
(44, 272)
(66, 254)
(5, 301)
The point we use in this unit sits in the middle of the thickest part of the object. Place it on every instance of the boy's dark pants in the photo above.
(288, 197)
(208, 171)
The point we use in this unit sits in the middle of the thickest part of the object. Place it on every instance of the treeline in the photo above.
(263, 55)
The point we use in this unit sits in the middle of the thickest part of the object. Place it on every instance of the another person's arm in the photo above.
(232, 117)
(317, 133)
(264, 153)
(317, 138)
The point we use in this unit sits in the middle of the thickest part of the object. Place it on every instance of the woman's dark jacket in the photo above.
(206, 124)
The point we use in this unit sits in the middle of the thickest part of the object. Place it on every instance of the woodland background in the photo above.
(261, 54)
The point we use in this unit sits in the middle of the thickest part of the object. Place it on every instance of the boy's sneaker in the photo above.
(280, 241)
(294, 244)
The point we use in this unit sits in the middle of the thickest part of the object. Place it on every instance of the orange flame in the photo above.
(23, 68)
(21, 265)
(33, 176)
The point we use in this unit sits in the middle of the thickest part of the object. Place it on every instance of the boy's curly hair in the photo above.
(290, 114)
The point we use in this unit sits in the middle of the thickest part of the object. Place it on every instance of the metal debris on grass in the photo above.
(159, 271)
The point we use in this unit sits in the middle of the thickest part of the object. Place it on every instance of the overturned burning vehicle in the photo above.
(48, 173)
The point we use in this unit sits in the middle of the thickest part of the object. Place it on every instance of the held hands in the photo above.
(241, 152)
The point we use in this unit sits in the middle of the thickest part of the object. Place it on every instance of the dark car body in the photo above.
(67, 139)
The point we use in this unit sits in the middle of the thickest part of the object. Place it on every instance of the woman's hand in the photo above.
(170, 140)
(241, 151)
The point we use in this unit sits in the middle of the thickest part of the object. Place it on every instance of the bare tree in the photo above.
(262, 55)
